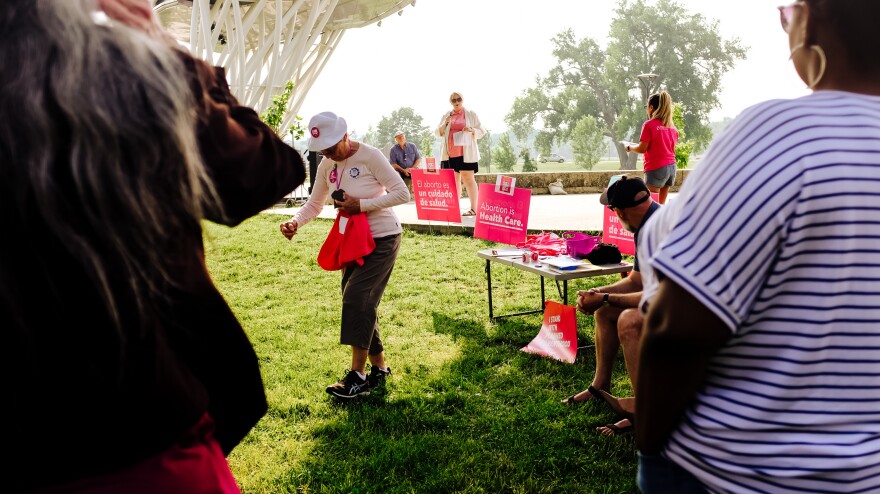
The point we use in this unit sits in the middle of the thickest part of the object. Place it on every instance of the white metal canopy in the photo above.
(265, 43)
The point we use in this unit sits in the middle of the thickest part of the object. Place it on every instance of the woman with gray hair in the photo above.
(126, 371)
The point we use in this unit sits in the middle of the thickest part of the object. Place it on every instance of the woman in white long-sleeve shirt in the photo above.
(464, 160)
(372, 186)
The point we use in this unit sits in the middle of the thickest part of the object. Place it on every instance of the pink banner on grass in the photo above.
(435, 195)
(501, 217)
(613, 231)
(558, 336)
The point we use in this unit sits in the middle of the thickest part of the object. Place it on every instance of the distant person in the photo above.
(404, 156)
(368, 184)
(313, 159)
(615, 307)
(657, 142)
(759, 362)
(126, 369)
(464, 158)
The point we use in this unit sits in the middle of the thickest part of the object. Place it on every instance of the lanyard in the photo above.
(335, 176)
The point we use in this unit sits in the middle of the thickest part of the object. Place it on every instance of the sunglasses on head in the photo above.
(786, 14)
(455, 100)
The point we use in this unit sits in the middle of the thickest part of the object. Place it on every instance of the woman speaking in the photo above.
(461, 129)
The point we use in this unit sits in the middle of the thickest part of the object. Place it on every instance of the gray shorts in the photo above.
(661, 177)
(362, 289)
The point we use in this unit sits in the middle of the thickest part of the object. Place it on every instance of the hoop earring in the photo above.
(823, 62)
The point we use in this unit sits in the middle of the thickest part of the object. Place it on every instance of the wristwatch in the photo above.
(605, 301)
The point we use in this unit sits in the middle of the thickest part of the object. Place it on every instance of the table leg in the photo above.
(489, 282)
(543, 297)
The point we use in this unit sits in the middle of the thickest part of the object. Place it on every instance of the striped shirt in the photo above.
(779, 235)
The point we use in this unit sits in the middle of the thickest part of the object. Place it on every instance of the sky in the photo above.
(492, 50)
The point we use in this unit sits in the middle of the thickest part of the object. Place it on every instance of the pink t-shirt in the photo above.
(661, 144)
(458, 123)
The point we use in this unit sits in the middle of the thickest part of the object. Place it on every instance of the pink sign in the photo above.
(435, 195)
(431, 165)
(613, 231)
(558, 336)
(502, 217)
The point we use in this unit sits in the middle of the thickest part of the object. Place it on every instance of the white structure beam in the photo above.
(265, 43)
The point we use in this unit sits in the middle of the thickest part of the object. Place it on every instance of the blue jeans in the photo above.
(657, 475)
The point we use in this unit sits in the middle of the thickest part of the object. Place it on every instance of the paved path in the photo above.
(578, 212)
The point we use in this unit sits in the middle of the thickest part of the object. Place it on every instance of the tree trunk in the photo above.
(627, 160)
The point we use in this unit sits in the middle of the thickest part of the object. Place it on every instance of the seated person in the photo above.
(629, 198)
(404, 156)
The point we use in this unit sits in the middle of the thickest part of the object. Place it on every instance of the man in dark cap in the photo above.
(615, 307)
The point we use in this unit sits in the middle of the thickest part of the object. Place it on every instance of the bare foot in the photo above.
(621, 406)
(582, 397)
(616, 429)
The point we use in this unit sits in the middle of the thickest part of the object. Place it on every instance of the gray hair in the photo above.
(98, 140)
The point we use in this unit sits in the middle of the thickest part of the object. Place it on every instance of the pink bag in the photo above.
(579, 245)
(545, 244)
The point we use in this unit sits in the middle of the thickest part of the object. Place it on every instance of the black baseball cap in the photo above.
(625, 192)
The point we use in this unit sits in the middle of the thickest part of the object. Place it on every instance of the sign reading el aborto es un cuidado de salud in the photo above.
(435, 194)
(502, 212)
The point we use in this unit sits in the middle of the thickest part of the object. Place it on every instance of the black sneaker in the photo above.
(377, 376)
(350, 386)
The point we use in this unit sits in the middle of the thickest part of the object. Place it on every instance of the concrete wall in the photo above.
(581, 182)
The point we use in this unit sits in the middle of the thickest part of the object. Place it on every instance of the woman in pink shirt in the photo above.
(463, 159)
(658, 140)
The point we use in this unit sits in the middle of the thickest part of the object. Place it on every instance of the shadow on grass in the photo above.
(490, 421)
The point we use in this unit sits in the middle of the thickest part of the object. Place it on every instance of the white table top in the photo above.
(513, 257)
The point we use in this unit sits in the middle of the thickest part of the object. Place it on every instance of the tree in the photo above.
(404, 119)
(683, 148)
(274, 115)
(485, 146)
(684, 49)
(587, 142)
(528, 164)
(504, 156)
(427, 145)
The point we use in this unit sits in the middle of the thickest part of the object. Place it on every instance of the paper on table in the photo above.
(506, 252)
(462, 138)
(563, 263)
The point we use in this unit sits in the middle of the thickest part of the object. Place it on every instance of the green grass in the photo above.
(465, 410)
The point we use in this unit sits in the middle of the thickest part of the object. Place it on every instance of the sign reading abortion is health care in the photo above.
(502, 212)
(435, 195)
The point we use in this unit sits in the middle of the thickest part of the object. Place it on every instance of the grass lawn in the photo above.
(465, 409)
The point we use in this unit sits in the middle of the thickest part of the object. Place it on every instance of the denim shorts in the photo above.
(657, 475)
(661, 177)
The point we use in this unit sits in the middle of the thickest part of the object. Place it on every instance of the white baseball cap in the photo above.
(326, 129)
(398, 133)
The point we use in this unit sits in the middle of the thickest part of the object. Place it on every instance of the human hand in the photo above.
(289, 228)
(350, 205)
(406, 171)
(589, 300)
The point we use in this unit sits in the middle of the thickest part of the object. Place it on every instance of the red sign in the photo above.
(613, 231)
(558, 336)
(435, 195)
(502, 217)
(431, 165)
